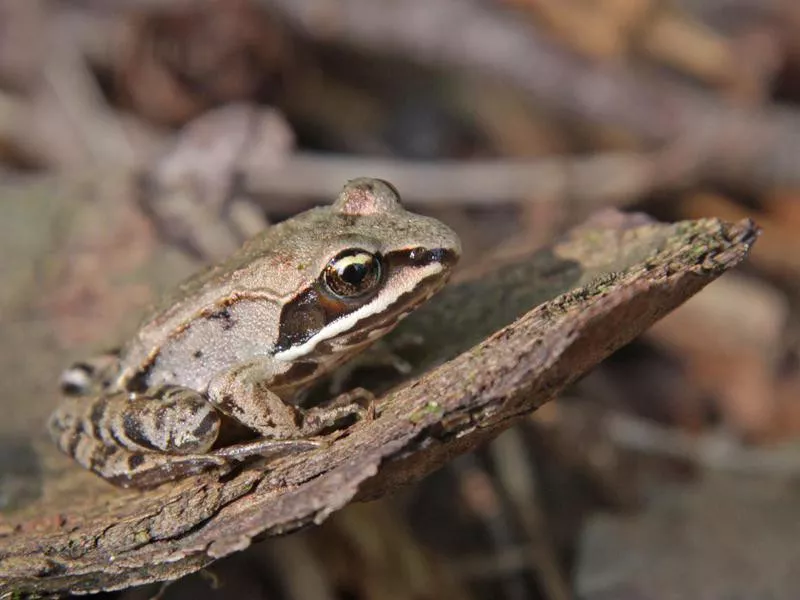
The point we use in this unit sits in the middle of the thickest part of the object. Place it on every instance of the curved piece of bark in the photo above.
(593, 292)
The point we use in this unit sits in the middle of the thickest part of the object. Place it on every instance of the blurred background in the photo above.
(140, 139)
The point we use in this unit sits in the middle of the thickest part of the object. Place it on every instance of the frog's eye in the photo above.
(352, 273)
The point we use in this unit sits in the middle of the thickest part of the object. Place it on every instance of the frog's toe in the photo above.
(146, 470)
(320, 419)
(268, 448)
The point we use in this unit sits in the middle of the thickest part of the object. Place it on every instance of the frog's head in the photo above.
(372, 262)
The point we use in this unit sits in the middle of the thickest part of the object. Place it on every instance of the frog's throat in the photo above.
(380, 304)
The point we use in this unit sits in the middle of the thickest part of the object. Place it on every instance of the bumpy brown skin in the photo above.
(244, 337)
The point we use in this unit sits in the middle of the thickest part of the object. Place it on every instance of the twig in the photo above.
(707, 140)
(482, 496)
(719, 140)
(514, 473)
(468, 34)
(589, 182)
(77, 92)
(718, 451)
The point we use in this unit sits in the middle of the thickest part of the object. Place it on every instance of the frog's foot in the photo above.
(359, 396)
(139, 440)
(267, 448)
(358, 402)
(89, 376)
(379, 355)
(147, 469)
(242, 394)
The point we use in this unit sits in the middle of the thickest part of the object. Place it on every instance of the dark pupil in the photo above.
(351, 275)
(354, 273)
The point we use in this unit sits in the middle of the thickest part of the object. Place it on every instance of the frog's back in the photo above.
(267, 269)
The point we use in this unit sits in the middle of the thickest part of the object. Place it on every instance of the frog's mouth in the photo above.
(314, 326)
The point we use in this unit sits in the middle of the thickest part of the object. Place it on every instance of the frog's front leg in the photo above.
(243, 394)
(139, 440)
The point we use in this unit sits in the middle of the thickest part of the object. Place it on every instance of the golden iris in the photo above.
(352, 273)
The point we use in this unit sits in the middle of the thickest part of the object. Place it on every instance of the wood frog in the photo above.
(241, 340)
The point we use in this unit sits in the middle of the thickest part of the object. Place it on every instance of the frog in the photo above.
(239, 343)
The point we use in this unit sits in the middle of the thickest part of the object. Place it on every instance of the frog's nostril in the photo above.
(437, 255)
(422, 257)
(443, 256)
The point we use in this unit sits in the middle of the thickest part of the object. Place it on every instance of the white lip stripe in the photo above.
(380, 304)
